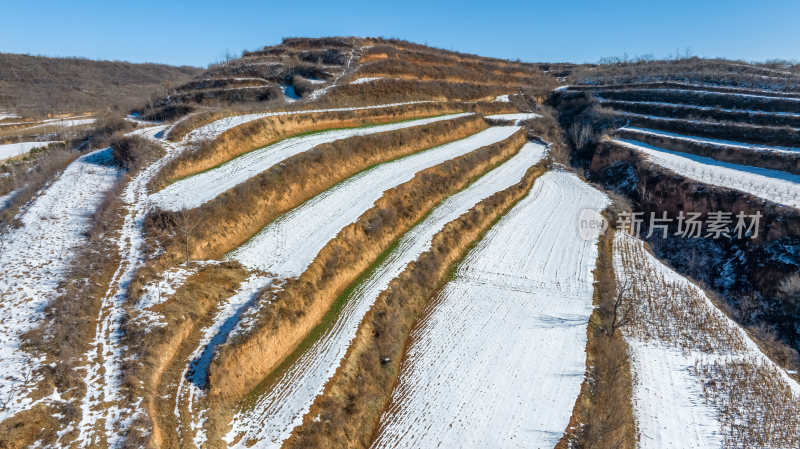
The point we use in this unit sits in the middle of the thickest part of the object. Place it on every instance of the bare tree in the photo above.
(621, 313)
(186, 223)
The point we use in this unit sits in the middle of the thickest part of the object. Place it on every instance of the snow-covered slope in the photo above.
(15, 149)
(288, 244)
(33, 259)
(700, 380)
(499, 359)
(272, 419)
(195, 190)
(773, 185)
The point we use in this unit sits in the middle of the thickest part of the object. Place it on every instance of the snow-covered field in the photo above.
(289, 244)
(33, 259)
(773, 185)
(62, 123)
(499, 359)
(710, 141)
(15, 149)
(517, 118)
(195, 190)
(687, 358)
(699, 108)
(272, 419)
(215, 128)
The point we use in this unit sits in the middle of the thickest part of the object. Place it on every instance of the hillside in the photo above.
(41, 86)
(361, 242)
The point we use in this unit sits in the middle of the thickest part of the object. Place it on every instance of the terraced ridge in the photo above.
(247, 359)
(293, 390)
(238, 213)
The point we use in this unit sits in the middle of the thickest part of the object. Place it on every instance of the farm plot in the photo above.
(772, 185)
(217, 127)
(700, 381)
(499, 358)
(274, 416)
(33, 259)
(710, 141)
(196, 190)
(15, 149)
(289, 244)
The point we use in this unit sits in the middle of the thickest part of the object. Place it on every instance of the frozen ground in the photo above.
(290, 243)
(499, 358)
(282, 408)
(195, 190)
(33, 259)
(15, 149)
(773, 185)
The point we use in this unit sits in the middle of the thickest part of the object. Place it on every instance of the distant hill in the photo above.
(36, 85)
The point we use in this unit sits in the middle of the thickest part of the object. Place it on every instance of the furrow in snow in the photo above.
(276, 414)
(499, 358)
(773, 185)
(34, 258)
(195, 190)
(289, 244)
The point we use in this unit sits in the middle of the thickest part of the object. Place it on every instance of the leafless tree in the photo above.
(621, 313)
(185, 224)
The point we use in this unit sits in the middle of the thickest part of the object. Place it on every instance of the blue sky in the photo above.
(200, 32)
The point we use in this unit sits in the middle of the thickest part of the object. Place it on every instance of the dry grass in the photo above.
(603, 414)
(299, 306)
(39, 85)
(355, 397)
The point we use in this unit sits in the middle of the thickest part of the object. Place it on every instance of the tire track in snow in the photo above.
(279, 411)
(498, 360)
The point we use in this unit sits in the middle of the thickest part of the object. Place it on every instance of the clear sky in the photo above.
(200, 32)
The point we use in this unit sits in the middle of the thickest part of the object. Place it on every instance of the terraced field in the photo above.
(356, 242)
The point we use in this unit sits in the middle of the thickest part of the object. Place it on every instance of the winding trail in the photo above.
(104, 417)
